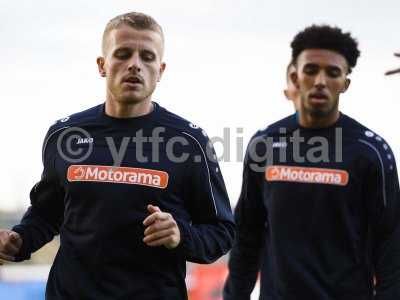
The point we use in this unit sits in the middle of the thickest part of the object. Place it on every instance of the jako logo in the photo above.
(153, 178)
(84, 141)
(306, 175)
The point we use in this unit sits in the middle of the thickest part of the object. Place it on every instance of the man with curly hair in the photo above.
(319, 211)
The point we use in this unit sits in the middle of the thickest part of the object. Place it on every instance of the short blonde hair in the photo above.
(136, 20)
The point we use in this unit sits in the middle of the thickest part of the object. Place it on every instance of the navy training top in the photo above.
(100, 173)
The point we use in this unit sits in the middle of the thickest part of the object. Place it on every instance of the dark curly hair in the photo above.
(329, 38)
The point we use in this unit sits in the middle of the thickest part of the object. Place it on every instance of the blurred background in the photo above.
(226, 64)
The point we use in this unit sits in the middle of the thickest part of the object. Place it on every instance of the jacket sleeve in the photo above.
(251, 221)
(210, 232)
(383, 202)
(43, 219)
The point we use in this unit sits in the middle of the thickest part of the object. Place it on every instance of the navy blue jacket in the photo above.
(319, 224)
(97, 205)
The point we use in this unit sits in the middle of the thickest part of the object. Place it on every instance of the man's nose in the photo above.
(134, 63)
(320, 80)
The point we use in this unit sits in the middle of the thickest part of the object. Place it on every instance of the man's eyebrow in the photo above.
(123, 48)
(334, 66)
(310, 65)
(328, 66)
(148, 50)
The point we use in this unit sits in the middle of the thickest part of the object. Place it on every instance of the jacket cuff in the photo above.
(185, 245)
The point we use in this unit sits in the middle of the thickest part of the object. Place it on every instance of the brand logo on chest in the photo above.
(307, 175)
(122, 175)
(84, 141)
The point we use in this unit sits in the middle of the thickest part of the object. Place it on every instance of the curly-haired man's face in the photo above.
(321, 77)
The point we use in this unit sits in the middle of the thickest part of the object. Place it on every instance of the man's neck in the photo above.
(309, 121)
(128, 110)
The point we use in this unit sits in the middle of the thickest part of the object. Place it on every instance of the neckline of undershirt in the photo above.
(137, 121)
(337, 123)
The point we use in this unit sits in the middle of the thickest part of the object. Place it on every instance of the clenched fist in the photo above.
(10, 243)
(161, 230)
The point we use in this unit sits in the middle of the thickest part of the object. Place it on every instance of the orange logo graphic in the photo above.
(153, 178)
(307, 175)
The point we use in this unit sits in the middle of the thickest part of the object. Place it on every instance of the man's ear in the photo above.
(295, 79)
(161, 71)
(100, 65)
(286, 93)
(346, 85)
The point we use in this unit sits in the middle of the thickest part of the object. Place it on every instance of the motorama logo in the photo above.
(307, 175)
(124, 175)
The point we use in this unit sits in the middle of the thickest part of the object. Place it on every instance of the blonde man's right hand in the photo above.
(10, 244)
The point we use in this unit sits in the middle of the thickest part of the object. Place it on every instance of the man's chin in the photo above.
(131, 99)
(321, 112)
(318, 113)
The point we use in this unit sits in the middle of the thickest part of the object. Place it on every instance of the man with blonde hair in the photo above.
(133, 190)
